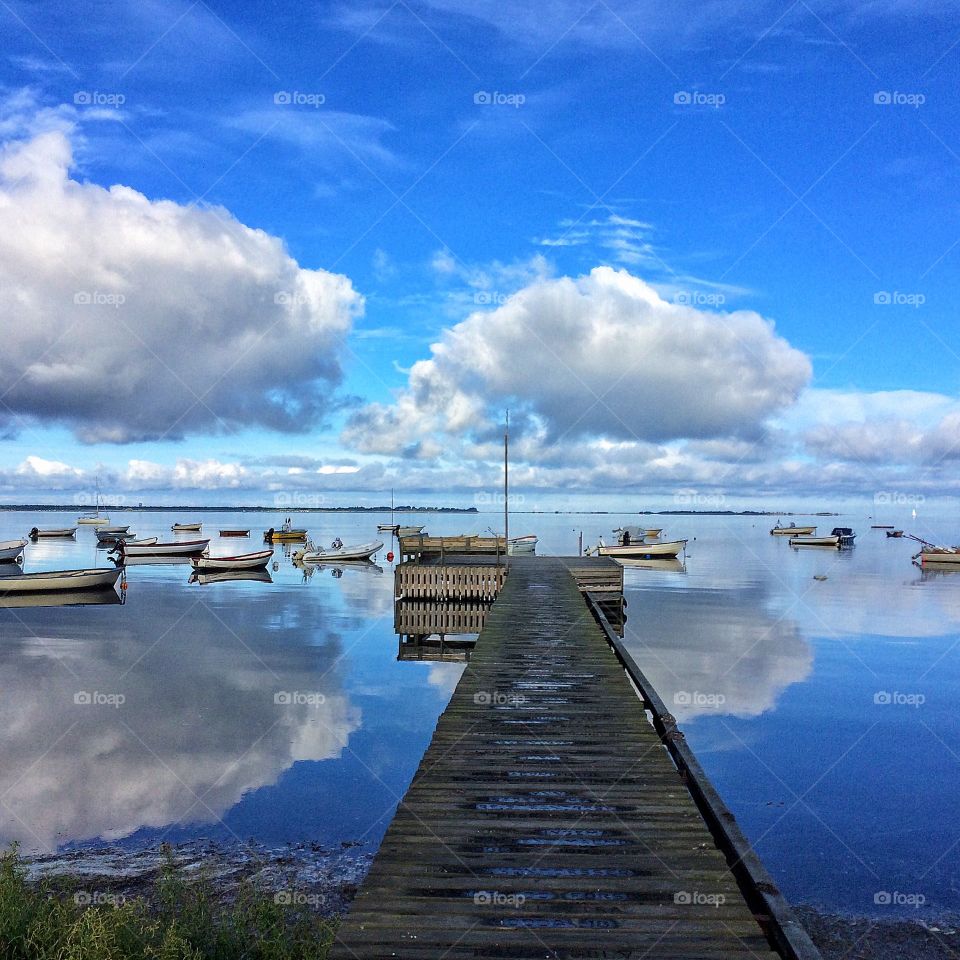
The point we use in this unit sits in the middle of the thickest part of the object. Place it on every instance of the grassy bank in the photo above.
(184, 921)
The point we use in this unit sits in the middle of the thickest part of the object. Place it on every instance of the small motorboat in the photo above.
(792, 531)
(895, 533)
(182, 548)
(186, 527)
(286, 533)
(96, 519)
(338, 551)
(639, 551)
(36, 533)
(634, 534)
(938, 555)
(242, 561)
(409, 531)
(839, 537)
(522, 545)
(10, 550)
(234, 533)
(48, 581)
(226, 576)
(109, 536)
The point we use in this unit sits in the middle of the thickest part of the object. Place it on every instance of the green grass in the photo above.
(184, 922)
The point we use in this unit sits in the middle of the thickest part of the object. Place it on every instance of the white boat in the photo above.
(640, 551)
(183, 548)
(110, 536)
(98, 518)
(186, 527)
(409, 531)
(637, 533)
(361, 551)
(56, 580)
(939, 555)
(122, 529)
(36, 533)
(521, 545)
(242, 561)
(838, 537)
(792, 531)
(11, 549)
(145, 542)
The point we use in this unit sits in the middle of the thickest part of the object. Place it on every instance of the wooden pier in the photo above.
(550, 818)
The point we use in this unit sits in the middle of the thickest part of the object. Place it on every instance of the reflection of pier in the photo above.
(438, 630)
(552, 817)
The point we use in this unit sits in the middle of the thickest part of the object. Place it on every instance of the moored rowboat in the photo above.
(641, 551)
(522, 545)
(792, 531)
(243, 561)
(183, 548)
(56, 580)
(11, 549)
(939, 555)
(186, 527)
(36, 533)
(839, 537)
(234, 533)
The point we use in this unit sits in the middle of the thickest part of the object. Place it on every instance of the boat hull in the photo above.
(643, 551)
(793, 531)
(11, 549)
(94, 521)
(186, 527)
(284, 536)
(362, 551)
(36, 534)
(518, 546)
(56, 581)
(246, 561)
(184, 548)
(938, 556)
(234, 533)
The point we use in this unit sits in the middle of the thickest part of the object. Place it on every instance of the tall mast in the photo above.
(506, 482)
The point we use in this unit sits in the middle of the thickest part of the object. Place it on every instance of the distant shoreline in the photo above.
(290, 509)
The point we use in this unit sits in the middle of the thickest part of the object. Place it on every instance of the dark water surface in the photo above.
(825, 711)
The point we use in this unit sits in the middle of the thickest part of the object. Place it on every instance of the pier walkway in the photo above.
(547, 819)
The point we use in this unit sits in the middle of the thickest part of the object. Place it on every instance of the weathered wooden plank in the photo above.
(546, 818)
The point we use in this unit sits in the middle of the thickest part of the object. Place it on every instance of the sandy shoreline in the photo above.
(326, 879)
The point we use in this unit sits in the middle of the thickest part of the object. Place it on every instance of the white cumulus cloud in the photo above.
(128, 319)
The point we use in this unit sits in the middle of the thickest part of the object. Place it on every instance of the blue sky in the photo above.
(796, 164)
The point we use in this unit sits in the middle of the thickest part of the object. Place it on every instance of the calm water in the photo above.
(279, 711)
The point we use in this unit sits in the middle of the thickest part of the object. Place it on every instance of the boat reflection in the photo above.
(337, 570)
(225, 576)
(69, 598)
(672, 564)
